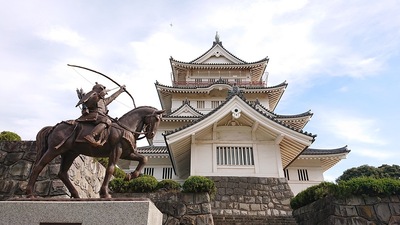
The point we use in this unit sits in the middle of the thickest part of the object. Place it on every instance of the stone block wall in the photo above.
(354, 210)
(252, 200)
(16, 160)
(178, 208)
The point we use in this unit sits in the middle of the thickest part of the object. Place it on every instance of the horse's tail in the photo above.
(41, 142)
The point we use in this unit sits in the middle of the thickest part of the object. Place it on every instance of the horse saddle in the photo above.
(85, 128)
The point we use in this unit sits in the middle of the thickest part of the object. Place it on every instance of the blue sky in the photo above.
(340, 58)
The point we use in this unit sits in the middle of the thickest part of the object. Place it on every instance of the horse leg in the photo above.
(112, 161)
(66, 161)
(142, 162)
(37, 168)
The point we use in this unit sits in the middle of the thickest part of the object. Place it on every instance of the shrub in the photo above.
(143, 184)
(9, 136)
(312, 194)
(196, 184)
(118, 185)
(360, 186)
(369, 187)
(168, 185)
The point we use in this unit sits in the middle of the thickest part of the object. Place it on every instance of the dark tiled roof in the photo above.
(186, 103)
(315, 151)
(152, 150)
(222, 81)
(240, 95)
(220, 44)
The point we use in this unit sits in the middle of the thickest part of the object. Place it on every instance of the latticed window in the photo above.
(167, 173)
(286, 172)
(198, 80)
(238, 80)
(149, 171)
(235, 156)
(200, 104)
(303, 174)
(214, 104)
(211, 80)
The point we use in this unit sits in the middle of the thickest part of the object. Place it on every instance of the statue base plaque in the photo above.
(80, 211)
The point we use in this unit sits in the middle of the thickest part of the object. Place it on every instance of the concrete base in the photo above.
(85, 212)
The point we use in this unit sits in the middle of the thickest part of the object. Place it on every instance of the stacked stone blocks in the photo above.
(17, 159)
(353, 210)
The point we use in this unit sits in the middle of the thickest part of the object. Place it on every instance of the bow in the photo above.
(94, 71)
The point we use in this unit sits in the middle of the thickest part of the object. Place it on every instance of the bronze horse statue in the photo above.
(63, 139)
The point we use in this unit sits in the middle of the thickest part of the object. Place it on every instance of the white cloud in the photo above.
(63, 35)
(351, 128)
(377, 153)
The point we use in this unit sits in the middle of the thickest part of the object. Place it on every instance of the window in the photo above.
(200, 104)
(167, 173)
(286, 172)
(149, 171)
(198, 80)
(238, 81)
(214, 104)
(303, 174)
(212, 80)
(235, 156)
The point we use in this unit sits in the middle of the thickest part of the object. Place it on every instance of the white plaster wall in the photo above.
(298, 186)
(202, 159)
(266, 163)
(267, 160)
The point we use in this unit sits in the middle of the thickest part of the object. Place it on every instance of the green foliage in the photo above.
(370, 171)
(143, 184)
(118, 185)
(168, 185)
(312, 194)
(196, 184)
(369, 187)
(9, 136)
(360, 186)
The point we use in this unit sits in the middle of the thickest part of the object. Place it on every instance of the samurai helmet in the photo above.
(99, 88)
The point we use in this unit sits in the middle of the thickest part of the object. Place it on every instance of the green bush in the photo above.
(143, 184)
(9, 136)
(168, 185)
(312, 194)
(196, 184)
(369, 187)
(361, 186)
(118, 185)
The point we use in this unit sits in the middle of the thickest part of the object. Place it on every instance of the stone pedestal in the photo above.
(82, 211)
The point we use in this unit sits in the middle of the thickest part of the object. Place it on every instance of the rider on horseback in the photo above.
(95, 110)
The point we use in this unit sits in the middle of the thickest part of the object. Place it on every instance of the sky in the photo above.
(340, 58)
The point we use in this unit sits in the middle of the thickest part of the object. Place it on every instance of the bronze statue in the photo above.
(68, 139)
(94, 109)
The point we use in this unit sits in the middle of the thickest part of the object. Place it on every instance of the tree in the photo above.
(9, 136)
(392, 171)
(384, 171)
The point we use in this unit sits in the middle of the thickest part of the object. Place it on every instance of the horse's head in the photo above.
(151, 123)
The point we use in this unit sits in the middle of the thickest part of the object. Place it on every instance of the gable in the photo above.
(235, 121)
(217, 55)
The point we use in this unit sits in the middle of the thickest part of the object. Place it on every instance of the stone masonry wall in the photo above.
(354, 210)
(178, 208)
(16, 160)
(251, 201)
